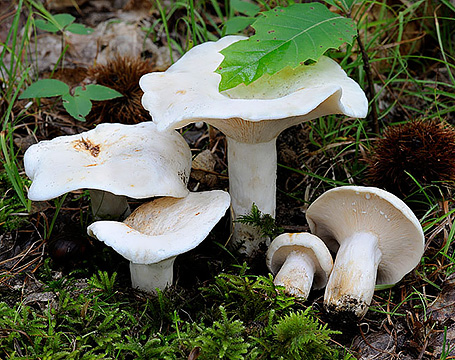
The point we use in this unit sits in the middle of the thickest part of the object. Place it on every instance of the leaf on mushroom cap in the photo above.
(132, 160)
(340, 212)
(188, 92)
(284, 36)
(164, 227)
(286, 243)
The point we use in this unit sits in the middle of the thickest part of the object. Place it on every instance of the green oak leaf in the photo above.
(285, 36)
(78, 106)
(97, 92)
(45, 88)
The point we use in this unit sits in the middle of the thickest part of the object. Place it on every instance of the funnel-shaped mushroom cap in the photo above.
(163, 228)
(188, 92)
(307, 243)
(132, 160)
(341, 212)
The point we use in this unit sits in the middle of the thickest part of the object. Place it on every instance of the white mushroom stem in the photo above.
(351, 284)
(296, 274)
(106, 205)
(252, 179)
(149, 277)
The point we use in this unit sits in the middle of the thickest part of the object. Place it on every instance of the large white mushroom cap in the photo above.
(132, 160)
(188, 92)
(163, 228)
(341, 212)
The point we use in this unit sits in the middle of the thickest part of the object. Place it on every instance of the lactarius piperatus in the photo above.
(250, 116)
(158, 231)
(377, 240)
(114, 161)
(300, 261)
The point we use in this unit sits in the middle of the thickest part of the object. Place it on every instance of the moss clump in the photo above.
(300, 336)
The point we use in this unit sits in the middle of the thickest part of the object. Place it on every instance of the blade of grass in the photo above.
(441, 45)
(191, 15)
(58, 205)
(10, 166)
(166, 29)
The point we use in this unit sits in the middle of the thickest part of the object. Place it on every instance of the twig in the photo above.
(423, 351)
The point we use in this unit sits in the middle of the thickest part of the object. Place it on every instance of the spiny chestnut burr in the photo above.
(121, 74)
(420, 149)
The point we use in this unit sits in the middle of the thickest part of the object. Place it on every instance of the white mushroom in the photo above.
(250, 116)
(113, 161)
(300, 261)
(156, 232)
(380, 240)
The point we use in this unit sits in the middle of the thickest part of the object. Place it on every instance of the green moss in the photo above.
(96, 319)
(300, 336)
(264, 222)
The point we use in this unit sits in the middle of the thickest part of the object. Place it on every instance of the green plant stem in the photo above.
(59, 203)
(193, 22)
(371, 92)
(10, 166)
(438, 33)
(166, 29)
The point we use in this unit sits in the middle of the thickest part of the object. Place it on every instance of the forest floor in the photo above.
(48, 244)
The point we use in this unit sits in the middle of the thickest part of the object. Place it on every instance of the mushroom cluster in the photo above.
(377, 240)
(115, 162)
(250, 116)
(375, 236)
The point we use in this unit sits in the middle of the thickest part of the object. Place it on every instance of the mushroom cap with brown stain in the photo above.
(307, 243)
(132, 160)
(341, 212)
(163, 228)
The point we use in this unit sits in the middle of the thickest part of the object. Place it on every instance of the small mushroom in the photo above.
(377, 240)
(113, 161)
(300, 261)
(156, 232)
(250, 116)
